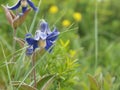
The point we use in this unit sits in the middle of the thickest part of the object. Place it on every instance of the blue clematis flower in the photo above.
(44, 38)
(23, 4)
(45, 34)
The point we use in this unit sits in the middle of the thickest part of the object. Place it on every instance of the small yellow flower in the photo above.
(53, 9)
(66, 23)
(77, 16)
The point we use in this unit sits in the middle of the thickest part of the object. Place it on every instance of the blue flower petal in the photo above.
(32, 5)
(53, 36)
(35, 45)
(28, 35)
(17, 5)
(29, 50)
(24, 9)
(49, 45)
(43, 36)
(30, 41)
(37, 35)
(43, 26)
(40, 35)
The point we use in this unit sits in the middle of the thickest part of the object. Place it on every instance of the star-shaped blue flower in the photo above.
(23, 4)
(43, 35)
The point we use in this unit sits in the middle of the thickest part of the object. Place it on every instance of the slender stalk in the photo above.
(34, 70)
(31, 70)
(96, 35)
(7, 67)
(14, 44)
(14, 41)
(35, 17)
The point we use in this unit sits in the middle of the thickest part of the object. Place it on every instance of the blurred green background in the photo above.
(75, 19)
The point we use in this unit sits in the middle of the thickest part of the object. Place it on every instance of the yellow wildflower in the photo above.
(77, 16)
(66, 23)
(53, 9)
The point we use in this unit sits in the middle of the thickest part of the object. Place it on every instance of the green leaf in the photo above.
(93, 83)
(45, 82)
(84, 86)
(23, 86)
(106, 85)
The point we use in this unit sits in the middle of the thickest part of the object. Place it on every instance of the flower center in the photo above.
(24, 3)
(42, 43)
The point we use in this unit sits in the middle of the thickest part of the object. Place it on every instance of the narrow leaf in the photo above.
(84, 86)
(106, 85)
(20, 41)
(48, 83)
(23, 86)
(44, 81)
(93, 83)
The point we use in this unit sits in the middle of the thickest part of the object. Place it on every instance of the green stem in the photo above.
(7, 67)
(14, 43)
(96, 36)
(34, 71)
